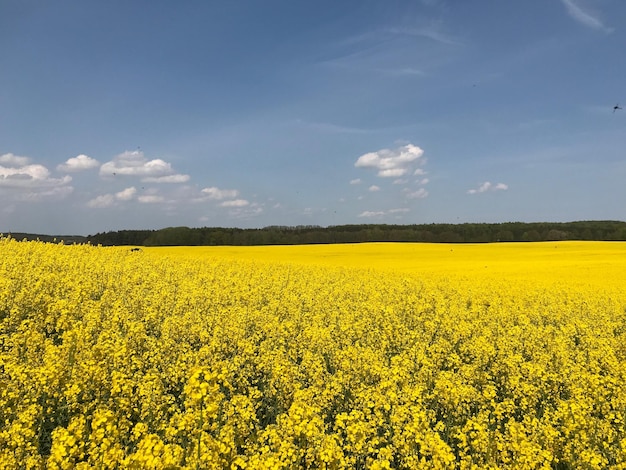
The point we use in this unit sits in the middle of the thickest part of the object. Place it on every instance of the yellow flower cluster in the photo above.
(191, 358)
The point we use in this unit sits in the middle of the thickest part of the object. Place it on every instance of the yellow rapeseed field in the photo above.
(331, 356)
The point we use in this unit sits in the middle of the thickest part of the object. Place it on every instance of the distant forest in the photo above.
(311, 234)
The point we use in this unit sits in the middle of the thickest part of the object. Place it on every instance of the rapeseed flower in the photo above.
(377, 356)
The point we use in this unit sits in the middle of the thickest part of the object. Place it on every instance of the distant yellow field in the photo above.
(372, 356)
(600, 263)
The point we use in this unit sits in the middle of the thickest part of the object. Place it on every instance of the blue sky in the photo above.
(244, 113)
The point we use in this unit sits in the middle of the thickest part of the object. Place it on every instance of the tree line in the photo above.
(312, 234)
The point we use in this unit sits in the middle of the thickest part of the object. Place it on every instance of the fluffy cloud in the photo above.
(136, 164)
(392, 172)
(166, 179)
(30, 176)
(228, 198)
(32, 181)
(44, 194)
(419, 194)
(78, 163)
(373, 188)
(355, 181)
(487, 186)
(391, 163)
(108, 200)
(235, 203)
(126, 194)
(151, 199)
(244, 210)
(13, 160)
(219, 194)
(372, 214)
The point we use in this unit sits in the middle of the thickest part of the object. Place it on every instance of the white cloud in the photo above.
(391, 163)
(392, 172)
(126, 194)
(105, 200)
(166, 179)
(423, 181)
(419, 172)
(481, 189)
(245, 210)
(585, 17)
(45, 194)
(31, 176)
(135, 164)
(108, 200)
(419, 194)
(371, 214)
(219, 194)
(355, 181)
(78, 163)
(235, 203)
(373, 188)
(13, 160)
(488, 186)
(150, 199)
(399, 210)
(23, 175)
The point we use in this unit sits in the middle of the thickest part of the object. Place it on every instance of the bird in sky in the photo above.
(616, 107)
